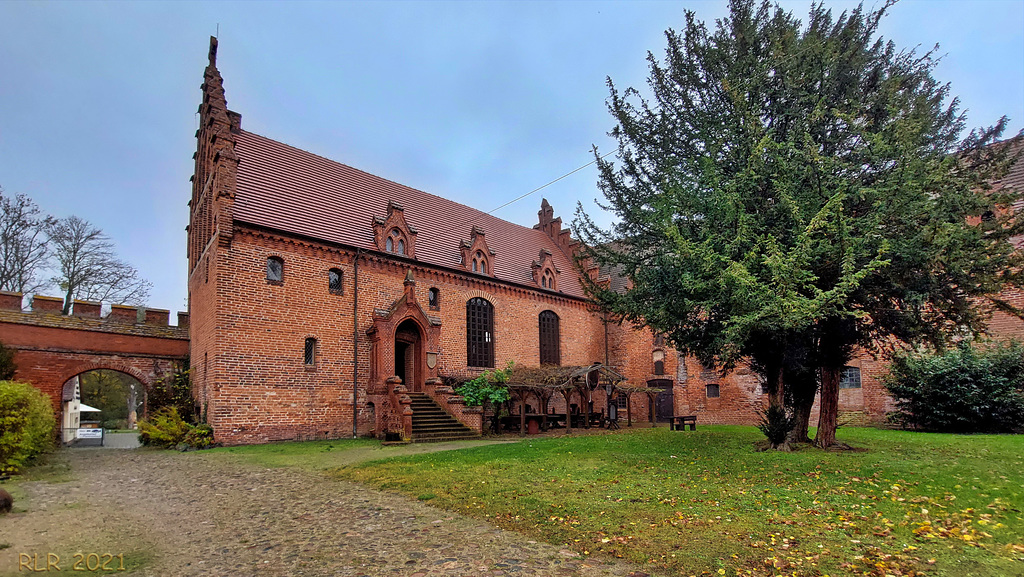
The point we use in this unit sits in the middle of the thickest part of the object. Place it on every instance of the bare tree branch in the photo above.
(87, 267)
(23, 248)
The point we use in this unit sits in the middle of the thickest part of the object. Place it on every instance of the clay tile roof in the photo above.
(294, 191)
(1015, 177)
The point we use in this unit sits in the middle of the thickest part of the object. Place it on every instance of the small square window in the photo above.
(620, 401)
(335, 281)
(713, 391)
(849, 378)
(275, 270)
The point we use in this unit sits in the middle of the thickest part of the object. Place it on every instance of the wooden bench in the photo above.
(679, 423)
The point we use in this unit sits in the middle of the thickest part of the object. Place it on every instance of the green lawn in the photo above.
(704, 502)
(320, 455)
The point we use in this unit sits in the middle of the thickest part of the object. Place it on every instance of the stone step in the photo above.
(439, 419)
(444, 437)
(432, 424)
(438, 426)
(429, 410)
(433, 418)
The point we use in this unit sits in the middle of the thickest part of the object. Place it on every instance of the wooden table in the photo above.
(679, 423)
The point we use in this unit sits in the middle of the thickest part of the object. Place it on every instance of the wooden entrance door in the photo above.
(409, 356)
(664, 403)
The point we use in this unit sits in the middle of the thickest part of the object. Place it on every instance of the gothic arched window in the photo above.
(550, 342)
(479, 333)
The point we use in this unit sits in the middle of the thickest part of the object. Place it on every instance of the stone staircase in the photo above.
(432, 424)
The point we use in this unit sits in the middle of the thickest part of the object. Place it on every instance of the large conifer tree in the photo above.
(787, 183)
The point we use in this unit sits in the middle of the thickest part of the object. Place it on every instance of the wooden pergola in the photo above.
(651, 393)
(544, 382)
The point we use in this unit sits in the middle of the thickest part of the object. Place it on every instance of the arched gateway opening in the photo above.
(101, 407)
(409, 355)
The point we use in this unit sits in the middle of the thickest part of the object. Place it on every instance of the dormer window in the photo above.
(545, 274)
(393, 234)
(474, 255)
(479, 262)
(395, 242)
(547, 280)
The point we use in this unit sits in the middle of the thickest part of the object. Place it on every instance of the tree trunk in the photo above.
(133, 405)
(829, 415)
(777, 390)
(67, 302)
(802, 414)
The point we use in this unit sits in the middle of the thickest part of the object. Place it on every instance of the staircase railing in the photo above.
(401, 406)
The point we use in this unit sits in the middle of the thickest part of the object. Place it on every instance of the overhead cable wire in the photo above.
(737, 86)
(521, 197)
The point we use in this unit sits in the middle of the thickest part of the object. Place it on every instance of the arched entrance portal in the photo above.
(409, 355)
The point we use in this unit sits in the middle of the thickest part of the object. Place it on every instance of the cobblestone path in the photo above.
(196, 514)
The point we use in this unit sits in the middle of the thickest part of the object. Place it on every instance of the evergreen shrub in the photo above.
(971, 389)
(27, 425)
(175, 391)
(776, 425)
(164, 428)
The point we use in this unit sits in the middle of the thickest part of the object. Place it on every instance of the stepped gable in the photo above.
(287, 189)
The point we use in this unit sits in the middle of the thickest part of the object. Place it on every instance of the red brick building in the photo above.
(316, 289)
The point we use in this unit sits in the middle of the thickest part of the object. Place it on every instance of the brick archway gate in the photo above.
(51, 348)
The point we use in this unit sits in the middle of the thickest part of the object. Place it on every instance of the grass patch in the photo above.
(322, 455)
(301, 454)
(704, 502)
(48, 467)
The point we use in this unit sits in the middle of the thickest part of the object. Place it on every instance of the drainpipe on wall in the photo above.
(355, 342)
(604, 320)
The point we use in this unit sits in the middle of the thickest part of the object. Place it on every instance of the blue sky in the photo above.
(480, 102)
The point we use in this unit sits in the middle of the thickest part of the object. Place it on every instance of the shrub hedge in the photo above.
(165, 428)
(972, 389)
(28, 427)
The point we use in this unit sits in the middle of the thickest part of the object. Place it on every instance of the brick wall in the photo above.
(51, 348)
(251, 333)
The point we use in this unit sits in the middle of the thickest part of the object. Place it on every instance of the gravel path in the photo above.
(199, 514)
